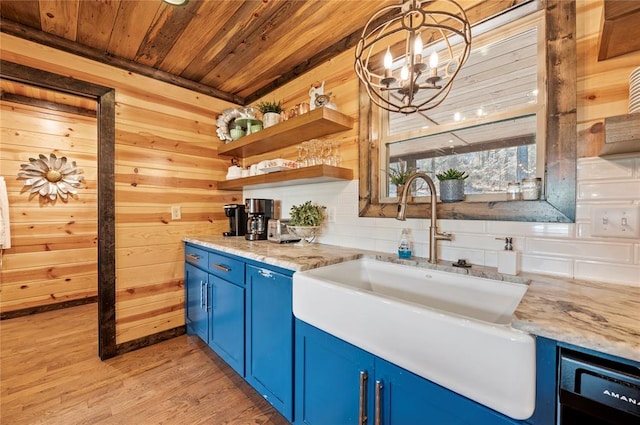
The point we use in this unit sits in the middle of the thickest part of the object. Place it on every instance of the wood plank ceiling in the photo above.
(237, 50)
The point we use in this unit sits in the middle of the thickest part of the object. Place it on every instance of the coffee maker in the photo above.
(259, 211)
(237, 219)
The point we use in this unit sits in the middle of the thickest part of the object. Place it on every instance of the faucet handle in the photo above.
(443, 236)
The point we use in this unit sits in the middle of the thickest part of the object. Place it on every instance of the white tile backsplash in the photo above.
(607, 272)
(599, 169)
(547, 265)
(559, 249)
(609, 190)
(606, 251)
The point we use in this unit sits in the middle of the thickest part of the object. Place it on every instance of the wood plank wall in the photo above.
(166, 154)
(53, 257)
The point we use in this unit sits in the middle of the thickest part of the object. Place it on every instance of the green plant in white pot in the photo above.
(305, 220)
(270, 113)
(452, 185)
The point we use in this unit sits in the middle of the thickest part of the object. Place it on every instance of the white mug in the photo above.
(234, 172)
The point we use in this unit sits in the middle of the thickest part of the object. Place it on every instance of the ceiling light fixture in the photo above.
(176, 2)
(448, 34)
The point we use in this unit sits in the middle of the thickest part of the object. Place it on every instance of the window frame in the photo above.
(482, 37)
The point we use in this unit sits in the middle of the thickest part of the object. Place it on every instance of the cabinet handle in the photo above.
(202, 299)
(193, 257)
(221, 267)
(378, 417)
(362, 411)
(265, 273)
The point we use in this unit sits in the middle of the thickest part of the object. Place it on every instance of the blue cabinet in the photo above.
(226, 321)
(214, 292)
(196, 292)
(269, 337)
(401, 397)
(333, 379)
(243, 310)
(196, 299)
(338, 383)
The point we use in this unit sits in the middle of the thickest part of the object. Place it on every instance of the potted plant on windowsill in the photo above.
(305, 221)
(452, 185)
(270, 113)
(400, 175)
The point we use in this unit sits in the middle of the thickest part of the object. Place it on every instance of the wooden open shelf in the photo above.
(317, 123)
(306, 175)
(619, 31)
(621, 135)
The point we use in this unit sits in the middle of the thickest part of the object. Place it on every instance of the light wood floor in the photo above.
(50, 373)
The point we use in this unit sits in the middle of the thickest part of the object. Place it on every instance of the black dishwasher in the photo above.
(593, 390)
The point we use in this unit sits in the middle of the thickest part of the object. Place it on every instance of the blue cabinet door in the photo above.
(226, 327)
(401, 397)
(269, 355)
(334, 380)
(196, 315)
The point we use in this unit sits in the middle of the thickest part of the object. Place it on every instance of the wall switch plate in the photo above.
(616, 222)
(176, 212)
(331, 214)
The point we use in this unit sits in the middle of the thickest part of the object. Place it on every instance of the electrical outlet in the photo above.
(616, 222)
(176, 212)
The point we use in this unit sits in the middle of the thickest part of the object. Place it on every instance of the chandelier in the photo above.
(403, 29)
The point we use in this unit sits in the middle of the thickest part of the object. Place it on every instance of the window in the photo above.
(491, 124)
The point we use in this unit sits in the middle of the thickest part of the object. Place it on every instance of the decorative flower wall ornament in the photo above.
(51, 176)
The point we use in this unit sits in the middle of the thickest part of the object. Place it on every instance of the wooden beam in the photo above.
(54, 106)
(40, 37)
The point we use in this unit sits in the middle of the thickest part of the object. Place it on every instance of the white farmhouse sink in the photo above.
(452, 329)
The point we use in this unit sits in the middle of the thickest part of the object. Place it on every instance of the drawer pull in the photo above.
(222, 268)
(193, 257)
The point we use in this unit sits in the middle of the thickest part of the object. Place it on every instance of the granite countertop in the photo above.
(599, 316)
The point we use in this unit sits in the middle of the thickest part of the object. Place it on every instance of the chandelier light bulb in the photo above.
(404, 73)
(388, 61)
(433, 60)
(417, 49)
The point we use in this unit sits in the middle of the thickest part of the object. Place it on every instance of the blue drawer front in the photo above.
(196, 256)
(227, 268)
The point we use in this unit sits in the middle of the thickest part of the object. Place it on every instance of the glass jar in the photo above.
(513, 191)
(531, 189)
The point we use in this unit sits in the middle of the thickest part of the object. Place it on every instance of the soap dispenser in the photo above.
(404, 246)
(508, 259)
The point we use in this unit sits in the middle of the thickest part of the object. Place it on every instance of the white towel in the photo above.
(5, 230)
